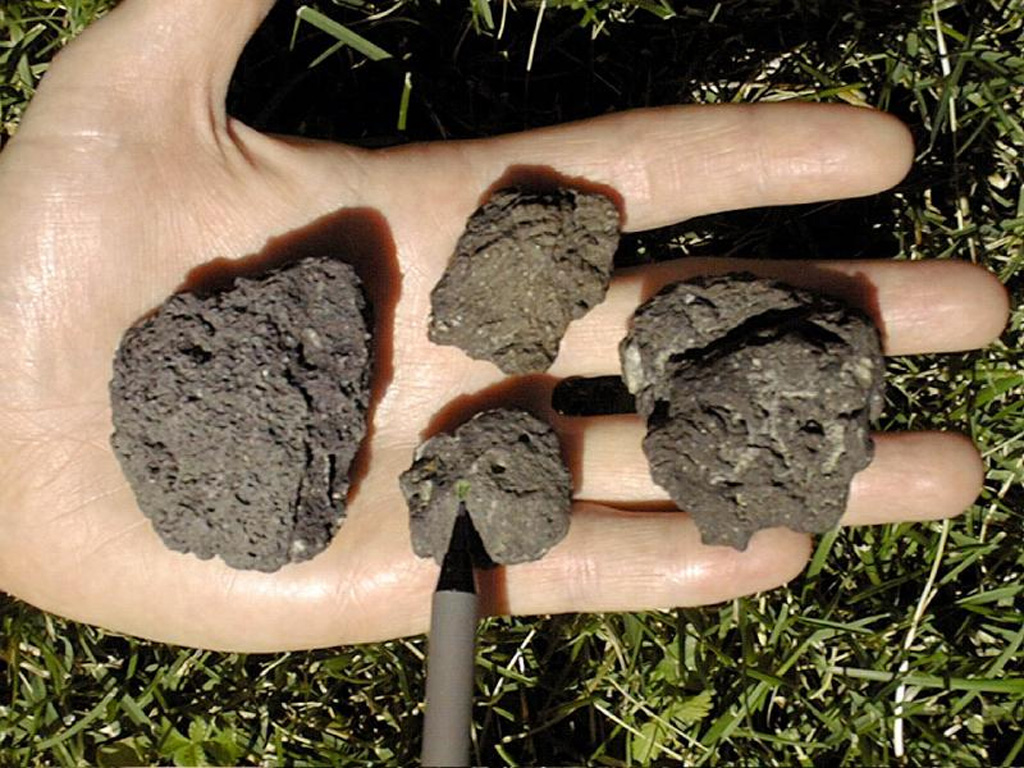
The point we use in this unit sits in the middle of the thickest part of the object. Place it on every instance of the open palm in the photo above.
(126, 176)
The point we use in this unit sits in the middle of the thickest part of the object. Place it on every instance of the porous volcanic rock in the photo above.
(238, 413)
(527, 265)
(507, 467)
(758, 398)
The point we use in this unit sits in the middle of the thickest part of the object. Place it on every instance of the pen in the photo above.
(451, 654)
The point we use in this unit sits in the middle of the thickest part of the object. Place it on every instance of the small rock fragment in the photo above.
(758, 398)
(237, 414)
(527, 265)
(507, 467)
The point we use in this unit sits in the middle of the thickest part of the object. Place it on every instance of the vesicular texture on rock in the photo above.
(758, 398)
(527, 265)
(237, 414)
(507, 467)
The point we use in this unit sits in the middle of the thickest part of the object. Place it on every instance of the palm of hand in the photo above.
(116, 193)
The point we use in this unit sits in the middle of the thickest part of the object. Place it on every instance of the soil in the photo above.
(527, 265)
(237, 414)
(507, 467)
(758, 398)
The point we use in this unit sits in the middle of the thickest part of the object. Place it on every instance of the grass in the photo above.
(898, 645)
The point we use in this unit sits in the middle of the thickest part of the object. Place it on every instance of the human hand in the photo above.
(127, 174)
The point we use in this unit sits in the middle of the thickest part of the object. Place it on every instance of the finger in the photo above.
(920, 306)
(673, 163)
(615, 561)
(913, 476)
(916, 476)
(150, 60)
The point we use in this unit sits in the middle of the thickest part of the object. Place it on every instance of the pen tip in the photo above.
(457, 568)
(462, 531)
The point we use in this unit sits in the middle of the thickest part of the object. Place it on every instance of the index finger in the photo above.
(674, 163)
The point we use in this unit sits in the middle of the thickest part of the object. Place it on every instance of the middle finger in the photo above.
(919, 306)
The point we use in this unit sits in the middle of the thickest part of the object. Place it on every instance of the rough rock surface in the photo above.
(237, 414)
(758, 398)
(507, 467)
(525, 267)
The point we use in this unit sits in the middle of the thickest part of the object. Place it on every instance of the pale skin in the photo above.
(127, 173)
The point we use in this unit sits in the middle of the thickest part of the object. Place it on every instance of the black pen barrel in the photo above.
(450, 667)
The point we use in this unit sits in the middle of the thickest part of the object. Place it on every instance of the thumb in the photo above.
(164, 64)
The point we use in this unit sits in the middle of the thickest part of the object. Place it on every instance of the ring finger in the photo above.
(913, 476)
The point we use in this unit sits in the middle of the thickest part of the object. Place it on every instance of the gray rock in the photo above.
(237, 414)
(758, 398)
(507, 466)
(525, 267)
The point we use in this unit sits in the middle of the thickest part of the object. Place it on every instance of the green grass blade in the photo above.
(403, 103)
(341, 33)
(482, 11)
(1012, 685)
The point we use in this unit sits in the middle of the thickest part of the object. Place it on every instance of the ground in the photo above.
(894, 640)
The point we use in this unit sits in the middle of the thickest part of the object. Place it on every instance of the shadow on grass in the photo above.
(469, 81)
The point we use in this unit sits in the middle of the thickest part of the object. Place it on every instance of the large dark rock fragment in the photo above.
(237, 414)
(507, 467)
(758, 398)
(525, 267)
